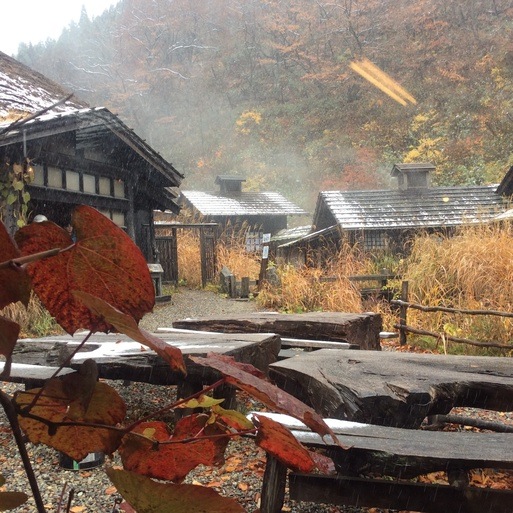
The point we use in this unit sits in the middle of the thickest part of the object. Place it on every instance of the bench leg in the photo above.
(226, 392)
(273, 487)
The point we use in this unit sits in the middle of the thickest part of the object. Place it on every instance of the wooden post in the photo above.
(402, 313)
(244, 287)
(384, 279)
(273, 486)
(232, 286)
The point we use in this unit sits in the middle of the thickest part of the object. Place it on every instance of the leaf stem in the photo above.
(56, 373)
(174, 405)
(12, 416)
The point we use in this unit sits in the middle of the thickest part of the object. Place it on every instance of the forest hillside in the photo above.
(264, 88)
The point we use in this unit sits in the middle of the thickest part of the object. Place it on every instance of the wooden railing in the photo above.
(404, 329)
(381, 279)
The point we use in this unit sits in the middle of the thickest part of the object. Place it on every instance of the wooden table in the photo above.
(118, 357)
(394, 388)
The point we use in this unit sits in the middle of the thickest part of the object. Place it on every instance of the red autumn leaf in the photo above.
(173, 461)
(124, 506)
(103, 262)
(277, 440)
(14, 282)
(59, 397)
(246, 367)
(272, 396)
(126, 324)
(323, 463)
(148, 496)
(9, 331)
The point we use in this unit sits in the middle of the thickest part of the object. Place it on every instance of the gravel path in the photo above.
(187, 303)
(240, 477)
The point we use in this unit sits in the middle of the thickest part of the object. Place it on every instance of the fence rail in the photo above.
(404, 329)
(381, 279)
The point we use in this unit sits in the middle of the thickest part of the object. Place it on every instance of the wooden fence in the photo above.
(380, 283)
(234, 288)
(404, 329)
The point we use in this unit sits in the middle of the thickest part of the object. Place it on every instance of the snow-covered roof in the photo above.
(25, 91)
(242, 204)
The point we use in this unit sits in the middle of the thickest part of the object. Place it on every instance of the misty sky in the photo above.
(33, 21)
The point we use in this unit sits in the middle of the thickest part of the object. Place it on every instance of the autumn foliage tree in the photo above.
(100, 282)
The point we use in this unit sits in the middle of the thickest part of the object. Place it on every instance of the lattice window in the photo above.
(374, 240)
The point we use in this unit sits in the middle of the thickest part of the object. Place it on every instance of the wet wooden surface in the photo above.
(360, 329)
(118, 357)
(372, 451)
(393, 388)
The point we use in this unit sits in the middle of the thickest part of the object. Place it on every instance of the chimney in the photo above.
(230, 185)
(414, 177)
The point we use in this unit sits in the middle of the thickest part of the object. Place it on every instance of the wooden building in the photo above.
(231, 207)
(80, 155)
(387, 219)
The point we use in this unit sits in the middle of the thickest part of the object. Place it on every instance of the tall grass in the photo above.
(35, 321)
(306, 289)
(471, 270)
(189, 258)
(230, 252)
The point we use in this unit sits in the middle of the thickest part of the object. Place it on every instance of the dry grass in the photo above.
(231, 253)
(305, 289)
(35, 321)
(189, 259)
(471, 270)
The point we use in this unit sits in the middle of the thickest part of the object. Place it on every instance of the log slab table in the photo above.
(393, 388)
(120, 358)
(360, 329)
(33, 375)
(395, 453)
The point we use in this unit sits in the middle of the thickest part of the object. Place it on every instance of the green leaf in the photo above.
(233, 418)
(148, 496)
(11, 198)
(203, 401)
(17, 185)
(25, 196)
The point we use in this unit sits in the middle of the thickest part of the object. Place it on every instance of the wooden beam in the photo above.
(396, 495)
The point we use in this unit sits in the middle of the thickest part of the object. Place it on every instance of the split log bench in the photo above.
(395, 453)
(357, 330)
(289, 346)
(120, 358)
(32, 376)
(394, 388)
